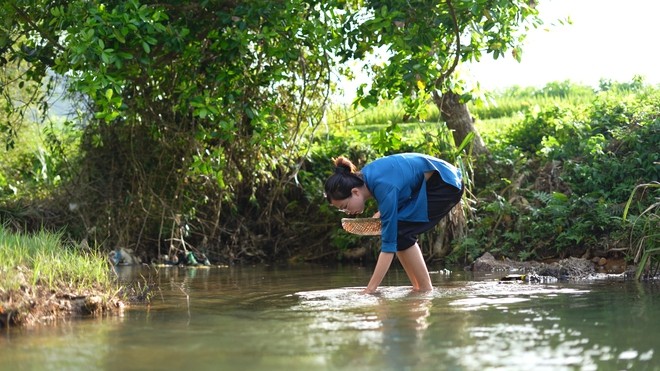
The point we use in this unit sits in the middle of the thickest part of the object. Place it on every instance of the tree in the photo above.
(195, 110)
(197, 115)
(426, 41)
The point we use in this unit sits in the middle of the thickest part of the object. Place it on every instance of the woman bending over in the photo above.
(413, 192)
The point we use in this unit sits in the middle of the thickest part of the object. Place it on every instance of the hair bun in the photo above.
(344, 166)
(342, 169)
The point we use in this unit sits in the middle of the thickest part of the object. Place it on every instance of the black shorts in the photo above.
(442, 197)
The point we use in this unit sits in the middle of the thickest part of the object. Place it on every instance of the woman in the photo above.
(413, 191)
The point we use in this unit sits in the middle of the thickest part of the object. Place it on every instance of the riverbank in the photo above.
(43, 280)
(41, 305)
(565, 269)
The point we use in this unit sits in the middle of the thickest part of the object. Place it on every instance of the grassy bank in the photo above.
(43, 279)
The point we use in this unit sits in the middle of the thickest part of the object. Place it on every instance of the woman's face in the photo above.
(351, 205)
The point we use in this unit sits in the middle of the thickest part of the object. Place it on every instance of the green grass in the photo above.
(375, 119)
(505, 105)
(43, 259)
(496, 127)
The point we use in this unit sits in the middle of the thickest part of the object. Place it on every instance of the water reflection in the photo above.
(404, 327)
(388, 328)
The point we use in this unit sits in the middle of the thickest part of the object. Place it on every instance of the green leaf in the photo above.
(466, 141)
(118, 36)
(559, 196)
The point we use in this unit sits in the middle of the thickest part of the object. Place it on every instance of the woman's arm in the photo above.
(382, 265)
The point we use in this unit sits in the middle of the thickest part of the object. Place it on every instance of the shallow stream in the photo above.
(313, 318)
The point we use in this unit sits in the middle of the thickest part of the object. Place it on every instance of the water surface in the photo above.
(313, 317)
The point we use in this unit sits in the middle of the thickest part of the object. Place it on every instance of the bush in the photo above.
(562, 175)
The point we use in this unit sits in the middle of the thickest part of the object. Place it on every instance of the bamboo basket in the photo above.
(362, 226)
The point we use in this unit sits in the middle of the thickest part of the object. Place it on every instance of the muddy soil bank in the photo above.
(30, 306)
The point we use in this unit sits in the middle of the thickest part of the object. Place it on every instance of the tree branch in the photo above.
(457, 33)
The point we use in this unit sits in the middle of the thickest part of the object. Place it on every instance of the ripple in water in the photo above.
(470, 296)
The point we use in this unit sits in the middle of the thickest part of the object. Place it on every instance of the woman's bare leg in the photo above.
(409, 273)
(413, 263)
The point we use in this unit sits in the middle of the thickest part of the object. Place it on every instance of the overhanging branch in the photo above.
(457, 34)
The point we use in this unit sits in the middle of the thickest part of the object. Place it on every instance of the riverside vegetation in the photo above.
(572, 171)
(566, 162)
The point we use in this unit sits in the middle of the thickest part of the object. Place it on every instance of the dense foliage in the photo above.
(564, 175)
(194, 118)
(208, 126)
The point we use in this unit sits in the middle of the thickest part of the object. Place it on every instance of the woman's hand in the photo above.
(382, 265)
(376, 215)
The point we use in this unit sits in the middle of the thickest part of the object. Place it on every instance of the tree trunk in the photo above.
(459, 121)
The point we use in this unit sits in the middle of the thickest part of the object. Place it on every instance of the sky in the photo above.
(607, 39)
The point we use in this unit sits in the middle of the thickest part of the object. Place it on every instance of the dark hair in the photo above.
(345, 178)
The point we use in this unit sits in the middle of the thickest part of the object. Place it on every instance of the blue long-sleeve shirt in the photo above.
(398, 185)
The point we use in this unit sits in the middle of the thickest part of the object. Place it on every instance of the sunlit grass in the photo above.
(492, 120)
(497, 127)
(508, 106)
(375, 119)
(43, 259)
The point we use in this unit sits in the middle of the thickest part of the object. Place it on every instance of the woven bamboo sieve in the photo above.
(362, 226)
